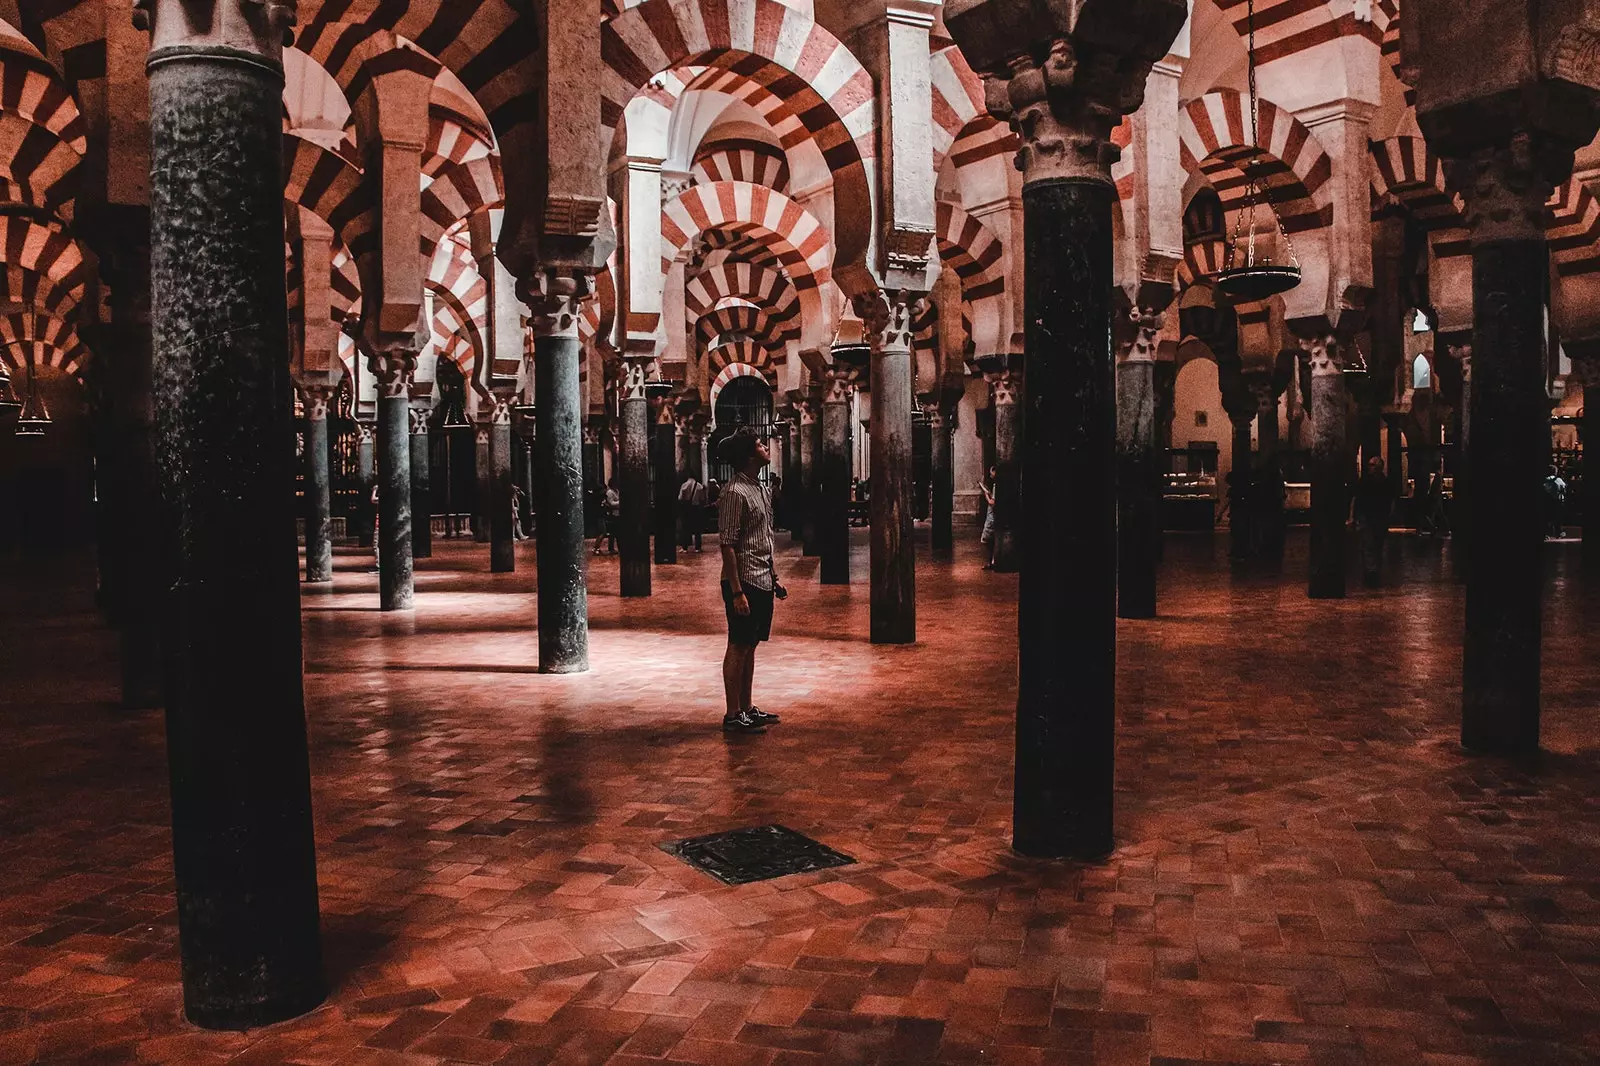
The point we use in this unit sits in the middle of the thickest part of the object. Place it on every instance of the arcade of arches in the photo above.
(342, 338)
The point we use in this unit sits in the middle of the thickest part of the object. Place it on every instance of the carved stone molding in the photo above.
(1136, 339)
(838, 385)
(1323, 354)
(500, 413)
(1007, 385)
(419, 422)
(635, 372)
(810, 410)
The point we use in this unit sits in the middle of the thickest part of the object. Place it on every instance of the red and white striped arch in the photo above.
(768, 289)
(819, 81)
(27, 289)
(737, 316)
(460, 291)
(51, 341)
(43, 248)
(1291, 165)
(972, 250)
(458, 193)
(741, 360)
(741, 159)
(328, 186)
(1405, 171)
(1573, 231)
(1202, 259)
(453, 139)
(1287, 27)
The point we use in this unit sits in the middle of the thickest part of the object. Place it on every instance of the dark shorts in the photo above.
(748, 630)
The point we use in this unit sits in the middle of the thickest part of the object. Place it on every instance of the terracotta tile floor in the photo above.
(1310, 870)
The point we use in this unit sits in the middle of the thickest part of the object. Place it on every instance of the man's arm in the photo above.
(730, 523)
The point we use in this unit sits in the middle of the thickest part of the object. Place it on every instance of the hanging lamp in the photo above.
(35, 416)
(1255, 273)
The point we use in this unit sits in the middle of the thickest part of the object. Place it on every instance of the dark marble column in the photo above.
(888, 317)
(1138, 472)
(1586, 368)
(421, 486)
(1241, 490)
(941, 423)
(243, 851)
(664, 458)
(1461, 480)
(367, 467)
(810, 468)
(633, 481)
(483, 492)
(833, 478)
(558, 444)
(1330, 470)
(1268, 535)
(1066, 601)
(594, 482)
(1008, 389)
(502, 541)
(319, 501)
(393, 369)
(1508, 452)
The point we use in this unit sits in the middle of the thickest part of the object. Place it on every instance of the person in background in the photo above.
(749, 579)
(1555, 498)
(1374, 502)
(691, 511)
(613, 512)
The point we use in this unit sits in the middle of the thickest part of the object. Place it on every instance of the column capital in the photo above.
(1325, 354)
(256, 30)
(419, 422)
(364, 433)
(1136, 335)
(500, 413)
(316, 396)
(555, 296)
(810, 408)
(888, 317)
(1505, 185)
(1007, 385)
(838, 383)
(635, 373)
(393, 368)
(1064, 129)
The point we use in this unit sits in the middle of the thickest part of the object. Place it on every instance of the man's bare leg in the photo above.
(747, 679)
(734, 674)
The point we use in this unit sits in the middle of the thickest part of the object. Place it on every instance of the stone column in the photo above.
(810, 461)
(1461, 480)
(1505, 188)
(393, 369)
(888, 318)
(1008, 445)
(243, 850)
(594, 481)
(421, 486)
(319, 501)
(1241, 492)
(793, 487)
(833, 478)
(1063, 113)
(1586, 368)
(941, 424)
(558, 443)
(502, 541)
(664, 458)
(1330, 469)
(1138, 471)
(366, 465)
(483, 480)
(1268, 516)
(633, 480)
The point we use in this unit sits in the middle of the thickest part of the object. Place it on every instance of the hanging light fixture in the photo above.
(1255, 270)
(35, 416)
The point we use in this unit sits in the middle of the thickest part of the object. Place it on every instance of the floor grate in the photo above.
(741, 856)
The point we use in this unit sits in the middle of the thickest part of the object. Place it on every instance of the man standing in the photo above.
(749, 579)
(691, 511)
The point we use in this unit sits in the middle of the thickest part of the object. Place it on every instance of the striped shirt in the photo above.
(744, 522)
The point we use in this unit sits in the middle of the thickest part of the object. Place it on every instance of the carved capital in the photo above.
(1136, 338)
(259, 28)
(666, 410)
(1063, 108)
(316, 398)
(419, 421)
(1007, 385)
(1323, 354)
(810, 409)
(500, 413)
(635, 372)
(1505, 186)
(393, 368)
(838, 384)
(591, 434)
(555, 298)
(364, 433)
(889, 317)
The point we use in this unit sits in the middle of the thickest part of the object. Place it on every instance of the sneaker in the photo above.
(758, 715)
(742, 722)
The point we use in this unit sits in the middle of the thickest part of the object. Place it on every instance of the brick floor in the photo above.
(1309, 870)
